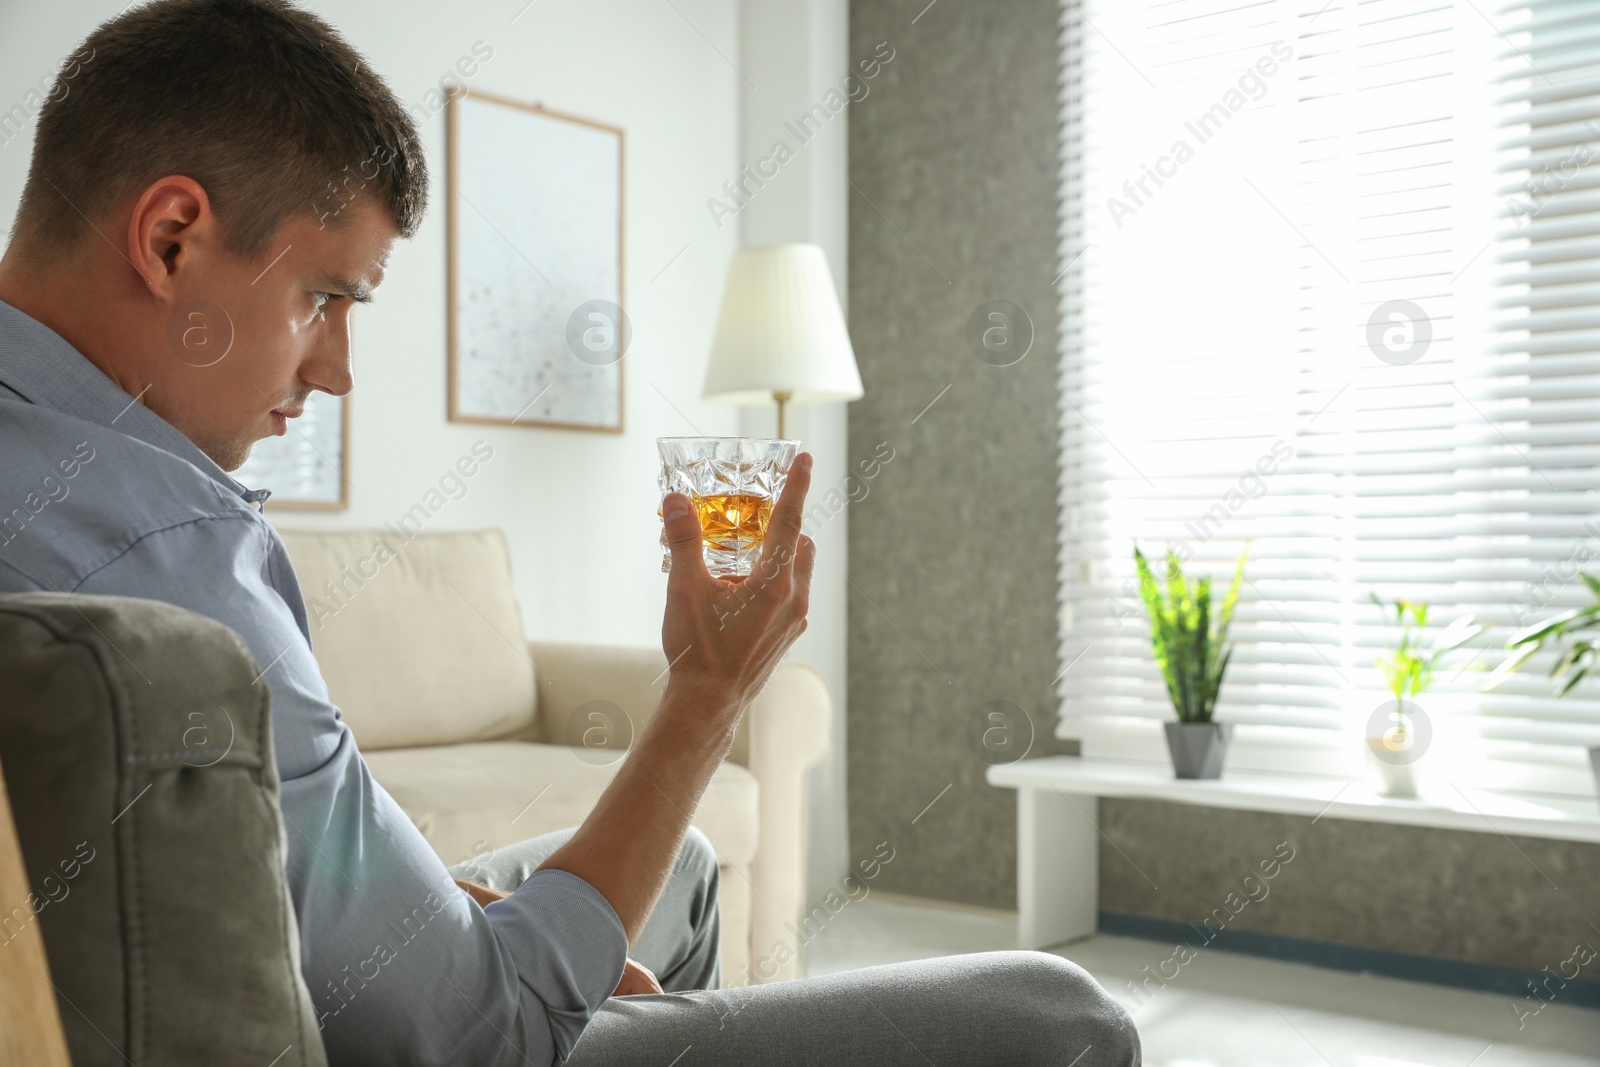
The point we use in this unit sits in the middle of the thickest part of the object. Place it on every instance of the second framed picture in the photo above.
(537, 326)
(305, 468)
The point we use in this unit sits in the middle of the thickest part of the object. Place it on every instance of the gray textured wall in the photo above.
(1512, 901)
(953, 554)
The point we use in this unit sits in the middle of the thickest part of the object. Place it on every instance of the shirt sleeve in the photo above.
(402, 966)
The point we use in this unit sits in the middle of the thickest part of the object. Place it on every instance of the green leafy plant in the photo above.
(1191, 644)
(1407, 667)
(1578, 656)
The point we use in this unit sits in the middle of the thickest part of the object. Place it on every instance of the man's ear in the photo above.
(171, 226)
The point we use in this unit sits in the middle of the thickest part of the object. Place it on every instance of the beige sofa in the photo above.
(486, 739)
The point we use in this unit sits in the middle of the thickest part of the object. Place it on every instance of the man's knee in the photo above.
(1086, 1019)
(696, 852)
(697, 862)
(697, 858)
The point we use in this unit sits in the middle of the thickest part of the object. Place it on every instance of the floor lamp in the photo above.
(781, 335)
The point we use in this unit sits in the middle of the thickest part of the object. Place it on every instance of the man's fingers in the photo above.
(637, 979)
(783, 529)
(806, 565)
(684, 539)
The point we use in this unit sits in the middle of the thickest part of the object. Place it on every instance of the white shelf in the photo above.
(1563, 818)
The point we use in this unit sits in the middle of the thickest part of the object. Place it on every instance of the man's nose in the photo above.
(329, 367)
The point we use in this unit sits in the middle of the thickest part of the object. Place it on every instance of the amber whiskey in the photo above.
(733, 521)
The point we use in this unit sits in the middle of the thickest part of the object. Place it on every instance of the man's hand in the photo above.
(636, 979)
(481, 893)
(725, 637)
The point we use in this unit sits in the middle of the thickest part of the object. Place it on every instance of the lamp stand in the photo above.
(782, 396)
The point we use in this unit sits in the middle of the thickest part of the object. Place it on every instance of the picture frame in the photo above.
(537, 324)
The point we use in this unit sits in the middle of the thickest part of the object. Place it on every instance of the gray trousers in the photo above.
(988, 1009)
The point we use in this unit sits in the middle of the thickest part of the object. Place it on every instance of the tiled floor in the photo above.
(1237, 1011)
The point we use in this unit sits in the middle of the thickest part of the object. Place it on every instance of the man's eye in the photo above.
(321, 299)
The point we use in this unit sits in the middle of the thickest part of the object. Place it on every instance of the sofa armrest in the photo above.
(785, 732)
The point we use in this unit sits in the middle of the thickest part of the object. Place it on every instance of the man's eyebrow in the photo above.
(356, 290)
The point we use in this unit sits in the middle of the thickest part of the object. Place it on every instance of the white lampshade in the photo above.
(781, 331)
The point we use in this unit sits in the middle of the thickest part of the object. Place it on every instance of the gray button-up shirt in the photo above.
(98, 494)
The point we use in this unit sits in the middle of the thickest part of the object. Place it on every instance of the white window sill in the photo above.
(1451, 807)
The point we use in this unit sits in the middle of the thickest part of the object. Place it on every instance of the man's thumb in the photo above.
(683, 533)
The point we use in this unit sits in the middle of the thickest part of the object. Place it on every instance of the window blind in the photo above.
(1329, 280)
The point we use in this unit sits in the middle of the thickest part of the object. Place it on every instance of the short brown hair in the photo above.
(263, 104)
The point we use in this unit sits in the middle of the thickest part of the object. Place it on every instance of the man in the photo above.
(177, 283)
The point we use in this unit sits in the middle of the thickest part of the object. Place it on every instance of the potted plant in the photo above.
(1192, 652)
(1399, 732)
(1578, 657)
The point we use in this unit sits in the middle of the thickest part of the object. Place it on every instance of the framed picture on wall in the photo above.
(537, 326)
(305, 468)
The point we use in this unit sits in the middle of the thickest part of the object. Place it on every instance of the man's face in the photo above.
(247, 342)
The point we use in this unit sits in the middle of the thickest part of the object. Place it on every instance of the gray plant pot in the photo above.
(1198, 748)
(1594, 764)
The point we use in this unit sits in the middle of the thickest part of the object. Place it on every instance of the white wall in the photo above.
(793, 52)
(579, 508)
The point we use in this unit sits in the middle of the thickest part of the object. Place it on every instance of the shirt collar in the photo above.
(43, 368)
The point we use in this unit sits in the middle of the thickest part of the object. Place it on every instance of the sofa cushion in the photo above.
(418, 636)
(138, 757)
(469, 798)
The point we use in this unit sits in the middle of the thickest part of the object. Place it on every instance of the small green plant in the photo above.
(1406, 667)
(1191, 644)
(1577, 658)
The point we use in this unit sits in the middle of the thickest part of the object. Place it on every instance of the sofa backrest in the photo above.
(419, 637)
(137, 750)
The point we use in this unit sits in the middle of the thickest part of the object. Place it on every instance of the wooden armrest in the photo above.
(30, 1029)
